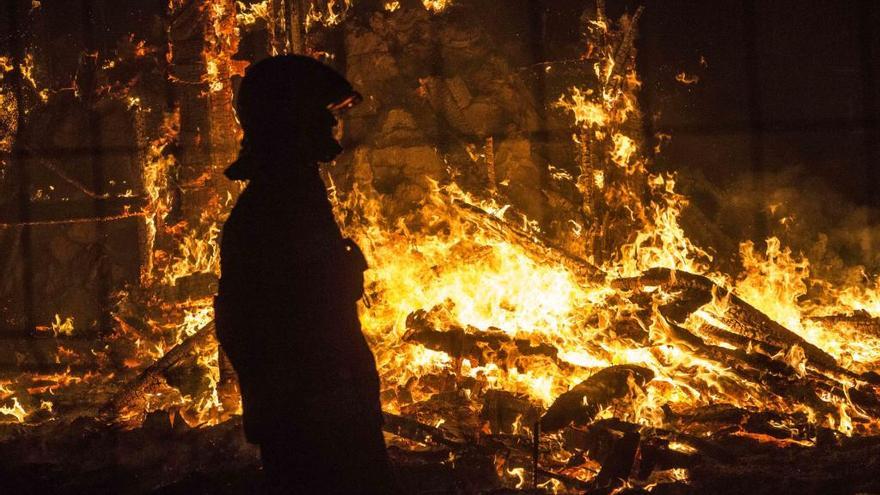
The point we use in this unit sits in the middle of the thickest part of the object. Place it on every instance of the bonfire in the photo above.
(546, 322)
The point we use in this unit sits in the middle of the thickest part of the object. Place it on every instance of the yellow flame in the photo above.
(436, 6)
(331, 14)
(15, 410)
(199, 253)
(62, 327)
(249, 13)
(520, 475)
(687, 79)
(585, 111)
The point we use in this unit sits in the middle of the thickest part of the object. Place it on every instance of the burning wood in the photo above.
(532, 241)
(582, 403)
(483, 347)
(861, 320)
(129, 402)
(741, 316)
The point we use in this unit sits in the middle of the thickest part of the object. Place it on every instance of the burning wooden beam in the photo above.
(740, 316)
(586, 399)
(133, 393)
(861, 321)
(541, 248)
(481, 346)
(79, 211)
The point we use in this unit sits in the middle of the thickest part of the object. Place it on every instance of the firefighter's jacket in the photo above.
(286, 310)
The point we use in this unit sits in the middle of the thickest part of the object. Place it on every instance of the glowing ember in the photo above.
(330, 14)
(436, 5)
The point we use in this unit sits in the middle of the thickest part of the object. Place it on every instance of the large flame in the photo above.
(461, 271)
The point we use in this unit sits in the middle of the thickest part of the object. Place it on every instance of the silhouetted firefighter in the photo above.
(286, 310)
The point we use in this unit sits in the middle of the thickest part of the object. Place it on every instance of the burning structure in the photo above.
(540, 317)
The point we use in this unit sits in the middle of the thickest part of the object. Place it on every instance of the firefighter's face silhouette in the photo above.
(311, 132)
(319, 137)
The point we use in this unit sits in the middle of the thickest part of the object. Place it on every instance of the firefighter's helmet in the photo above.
(279, 86)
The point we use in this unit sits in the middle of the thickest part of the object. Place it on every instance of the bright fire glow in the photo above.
(463, 272)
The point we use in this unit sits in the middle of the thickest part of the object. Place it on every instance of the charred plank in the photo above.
(484, 347)
(581, 404)
(418, 432)
(530, 241)
(617, 466)
(860, 321)
(75, 211)
(740, 316)
(152, 377)
(775, 376)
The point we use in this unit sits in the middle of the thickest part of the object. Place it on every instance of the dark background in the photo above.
(787, 84)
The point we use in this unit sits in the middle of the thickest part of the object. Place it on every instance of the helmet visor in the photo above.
(346, 103)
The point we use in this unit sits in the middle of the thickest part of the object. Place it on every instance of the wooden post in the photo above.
(489, 149)
(276, 28)
(204, 40)
(295, 16)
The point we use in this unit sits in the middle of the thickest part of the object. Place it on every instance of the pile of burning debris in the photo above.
(536, 326)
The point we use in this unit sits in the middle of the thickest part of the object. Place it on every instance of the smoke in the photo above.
(840, 238)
